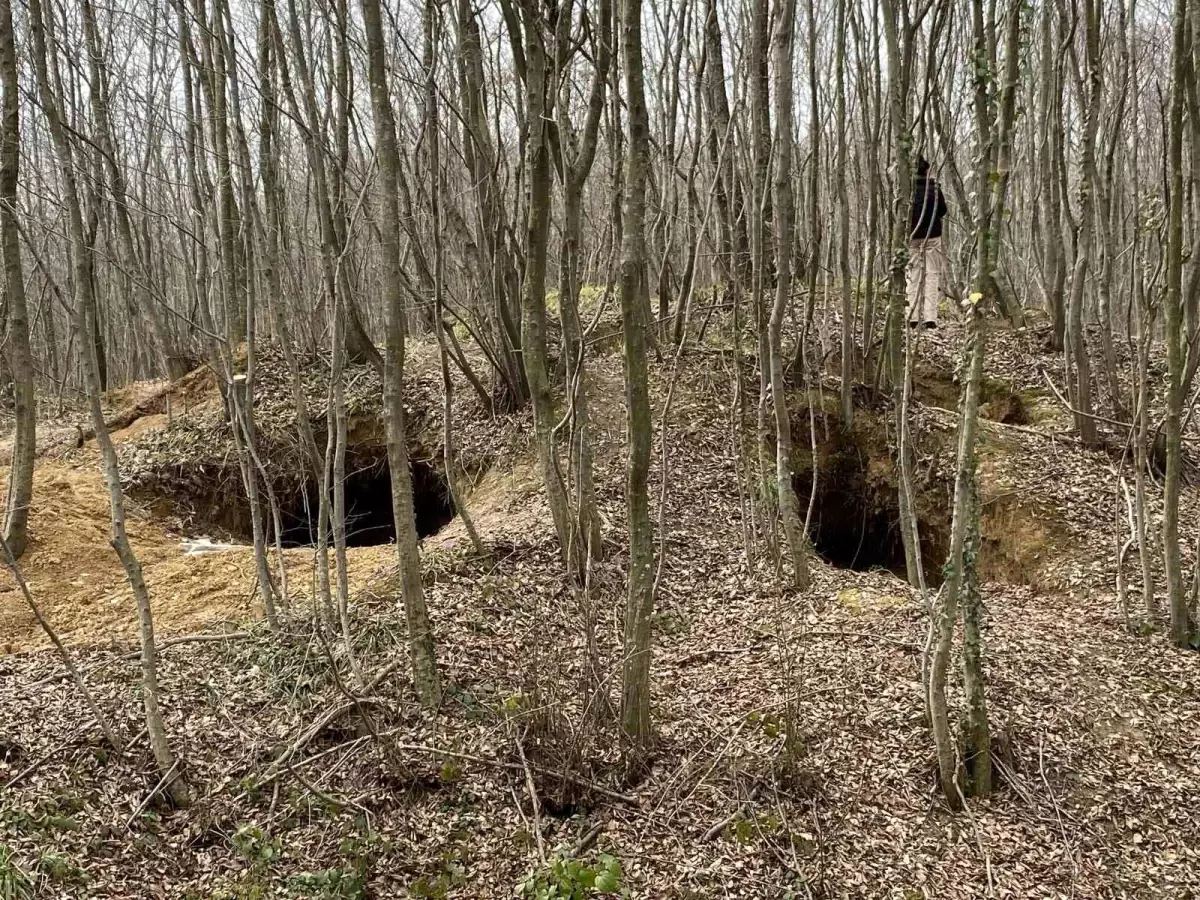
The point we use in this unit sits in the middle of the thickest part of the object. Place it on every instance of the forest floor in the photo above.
(792, 759)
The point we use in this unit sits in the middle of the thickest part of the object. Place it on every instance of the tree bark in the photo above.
(533, 295)
(1181, 625)
(20, 358)
(583, 491)
(420, 631)
(635, 681)
(1085, 423)
(843, 200)
(789, 507)
(1049, 127)
(899, 35)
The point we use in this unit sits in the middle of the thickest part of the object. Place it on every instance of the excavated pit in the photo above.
(225, 514)
(856, 513)
(369, 518)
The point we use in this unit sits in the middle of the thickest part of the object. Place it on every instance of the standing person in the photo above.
(927, 256)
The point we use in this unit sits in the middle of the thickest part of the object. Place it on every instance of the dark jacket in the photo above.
(928, 208)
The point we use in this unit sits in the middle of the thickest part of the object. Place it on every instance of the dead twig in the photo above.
(742, 809)
(316, 728)
(162, 782)
(534, 803)
(194, 639)
(588, 838)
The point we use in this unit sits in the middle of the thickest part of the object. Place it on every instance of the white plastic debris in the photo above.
(200, 546)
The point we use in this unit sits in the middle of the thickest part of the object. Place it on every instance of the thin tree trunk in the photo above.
(899, 34)
(789, 507)
(433, 137)
(337, 426)
(24, 448)
(577, 170)
(537, 239)
(635, 681)
(1085, 423)
(420, 631)
(1181, 625)
(843, 201)
(760, 139)
(177, 787)
(1048, 128)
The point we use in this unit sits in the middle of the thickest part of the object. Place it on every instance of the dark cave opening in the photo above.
(369, 518)
(225, 513)
(856, 514)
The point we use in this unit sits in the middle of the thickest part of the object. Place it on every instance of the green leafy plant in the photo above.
(246, 889)
(331, 884)
(15, 884)
(438, 885)
(48, 815)
(745, 829)
(57, 867)
(256, 846)
(567, 878)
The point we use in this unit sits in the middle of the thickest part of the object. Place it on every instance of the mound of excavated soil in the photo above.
(177, 456)
(78, 582)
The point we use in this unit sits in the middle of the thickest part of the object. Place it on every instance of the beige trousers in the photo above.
(926, 270)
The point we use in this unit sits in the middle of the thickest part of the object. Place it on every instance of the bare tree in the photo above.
(85, 315)
(995, 114)
(575, 172)
(1174, 336)
(789, 506)
(420, 631)
(635, 681)
(20, 477)
(539, 74)
(901, 30)
(1089, 89)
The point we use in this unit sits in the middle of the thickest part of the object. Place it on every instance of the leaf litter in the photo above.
(792, 758)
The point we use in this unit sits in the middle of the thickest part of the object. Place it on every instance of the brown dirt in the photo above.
(81, 589)
(1025, 536)
(78, 582)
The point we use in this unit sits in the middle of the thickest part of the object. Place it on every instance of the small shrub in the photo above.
(567, 878)
(245, 889)
(331, 884)
(438, 885)
(49, 814)
(746, 829)
(57, 867)
(256, 846)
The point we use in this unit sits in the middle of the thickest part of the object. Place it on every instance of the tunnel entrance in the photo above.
(225, 513)
(856, 514)
(369, 517)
